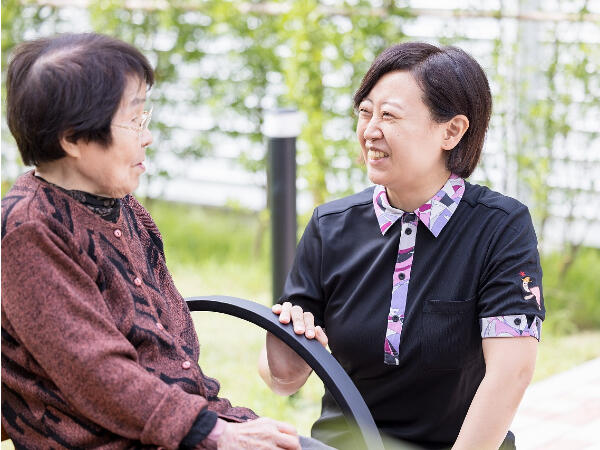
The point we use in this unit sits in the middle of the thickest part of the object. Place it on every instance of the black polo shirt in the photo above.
(467, 283)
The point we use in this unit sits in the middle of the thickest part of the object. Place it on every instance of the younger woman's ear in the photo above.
(455, 129)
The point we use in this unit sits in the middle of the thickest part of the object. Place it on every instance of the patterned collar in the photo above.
(434, 214)
(107, 208)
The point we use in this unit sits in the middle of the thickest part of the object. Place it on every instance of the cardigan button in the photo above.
(137, 281)
(186, 365)
(160, 326)
(117, 233)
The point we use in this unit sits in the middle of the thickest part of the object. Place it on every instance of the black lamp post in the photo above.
(281, 127)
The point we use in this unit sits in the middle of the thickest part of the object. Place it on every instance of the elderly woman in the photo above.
(428, 286)
(98, 346)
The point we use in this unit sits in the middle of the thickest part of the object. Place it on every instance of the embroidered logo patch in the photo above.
(530, 289)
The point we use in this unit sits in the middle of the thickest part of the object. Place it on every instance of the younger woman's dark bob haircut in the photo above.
(452, 83)
(68, 86)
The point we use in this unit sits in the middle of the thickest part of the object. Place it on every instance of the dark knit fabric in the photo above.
(98, 346)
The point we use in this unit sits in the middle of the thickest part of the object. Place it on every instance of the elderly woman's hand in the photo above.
(261, 433)
(303, 322)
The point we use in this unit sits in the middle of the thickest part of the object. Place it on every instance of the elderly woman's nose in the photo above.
(147, 138)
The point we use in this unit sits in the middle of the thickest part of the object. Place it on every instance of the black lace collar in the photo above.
(107, 208)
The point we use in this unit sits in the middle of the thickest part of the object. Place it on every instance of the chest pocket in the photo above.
(450, 336)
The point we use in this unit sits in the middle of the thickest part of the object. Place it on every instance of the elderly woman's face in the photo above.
(400, 142)
(115, 171)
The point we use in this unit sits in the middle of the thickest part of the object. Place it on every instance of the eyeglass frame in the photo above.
(143, 126)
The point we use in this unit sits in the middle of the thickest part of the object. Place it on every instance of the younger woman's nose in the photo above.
(372, 132)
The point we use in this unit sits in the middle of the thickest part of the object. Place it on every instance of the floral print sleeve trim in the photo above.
(511, 326)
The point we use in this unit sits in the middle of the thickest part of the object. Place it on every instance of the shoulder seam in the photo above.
(499, 208)
(343, 210)
(505, 209)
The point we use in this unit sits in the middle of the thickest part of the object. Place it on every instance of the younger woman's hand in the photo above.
(303, 322)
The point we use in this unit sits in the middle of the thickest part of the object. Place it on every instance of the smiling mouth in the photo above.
(376, 155)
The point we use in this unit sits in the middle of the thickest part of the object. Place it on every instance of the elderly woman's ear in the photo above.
(70, 146)
(455, 130)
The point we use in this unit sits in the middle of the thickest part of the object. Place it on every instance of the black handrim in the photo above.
(320, 360)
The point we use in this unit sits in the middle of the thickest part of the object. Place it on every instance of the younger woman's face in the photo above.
(400, 142)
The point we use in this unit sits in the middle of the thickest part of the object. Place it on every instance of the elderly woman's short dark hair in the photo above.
(452, 83)
(68, 86)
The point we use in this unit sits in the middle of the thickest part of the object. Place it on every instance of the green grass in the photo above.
(193, 235)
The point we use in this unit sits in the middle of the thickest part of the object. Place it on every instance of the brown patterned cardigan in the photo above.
(98, 346)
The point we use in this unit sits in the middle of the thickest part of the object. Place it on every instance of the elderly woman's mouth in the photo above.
(376, 154)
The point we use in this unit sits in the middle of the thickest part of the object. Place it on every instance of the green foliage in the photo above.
(233, 59)
(331, 53)
(572, 298)
(563, 71)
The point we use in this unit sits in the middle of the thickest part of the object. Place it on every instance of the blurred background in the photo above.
(220, 65)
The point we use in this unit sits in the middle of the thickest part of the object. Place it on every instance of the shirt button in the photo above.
(401, 276)
(186, 365)
(137, 281)
(159, 326)
(117, 233)
(395, 318)
(410, 217)
(408, 230)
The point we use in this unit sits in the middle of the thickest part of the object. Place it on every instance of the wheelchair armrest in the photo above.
(318, 358)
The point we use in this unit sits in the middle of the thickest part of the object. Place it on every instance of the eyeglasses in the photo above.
(143, 126)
